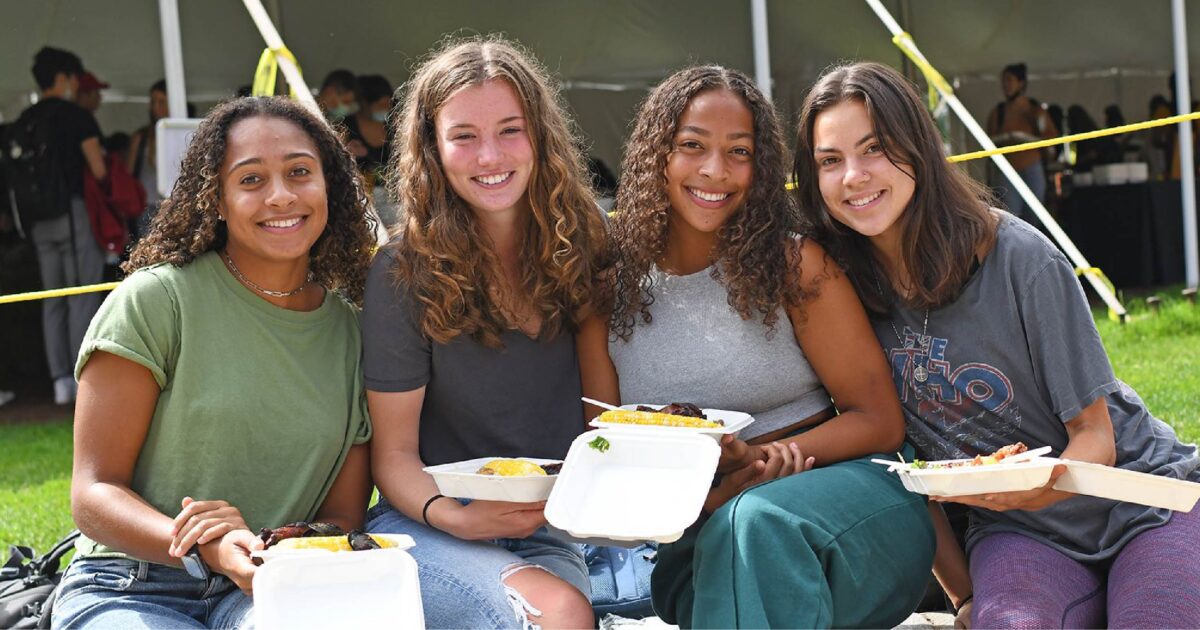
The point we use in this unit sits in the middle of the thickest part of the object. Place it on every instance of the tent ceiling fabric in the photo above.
(631, 43)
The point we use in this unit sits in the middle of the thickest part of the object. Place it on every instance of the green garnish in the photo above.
(919, 464)
(600, 444)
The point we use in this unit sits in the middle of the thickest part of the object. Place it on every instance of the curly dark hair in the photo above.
(186, 224)
(442, 254)
(756, 254)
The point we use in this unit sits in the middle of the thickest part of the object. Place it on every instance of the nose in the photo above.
(713, 165)
(489, 152)
(279, 195)
(856, 172)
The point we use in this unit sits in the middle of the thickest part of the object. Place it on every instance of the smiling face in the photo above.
(711, 164)
(861, 187)
(273, 194)
(484, 144)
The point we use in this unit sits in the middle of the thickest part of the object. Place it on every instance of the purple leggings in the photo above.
(1154, 582)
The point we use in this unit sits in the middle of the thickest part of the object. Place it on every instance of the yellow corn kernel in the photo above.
(624, 416)
(328, 543)
(512, 468)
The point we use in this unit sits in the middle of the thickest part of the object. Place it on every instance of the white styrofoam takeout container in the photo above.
(648, 485)
(1106, 482)
(402, 541)
(964, 480)
(359, 589)
(459, 480)
(734, 421)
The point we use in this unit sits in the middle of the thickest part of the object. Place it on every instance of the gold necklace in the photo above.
(246, 281)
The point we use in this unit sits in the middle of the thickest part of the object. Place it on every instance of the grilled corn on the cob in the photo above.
(624, 416)
(328, 543)
(512, 468)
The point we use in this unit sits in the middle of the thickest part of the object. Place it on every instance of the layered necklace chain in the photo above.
(920, 372)
(246, 281)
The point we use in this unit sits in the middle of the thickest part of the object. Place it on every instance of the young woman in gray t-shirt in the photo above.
(718, 302)
(991, 342)
(468, 331)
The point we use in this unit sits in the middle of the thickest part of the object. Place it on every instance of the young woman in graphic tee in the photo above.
(991, 342)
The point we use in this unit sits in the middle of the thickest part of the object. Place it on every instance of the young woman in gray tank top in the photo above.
(716, 300)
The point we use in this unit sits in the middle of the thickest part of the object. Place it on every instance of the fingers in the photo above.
(191, 508)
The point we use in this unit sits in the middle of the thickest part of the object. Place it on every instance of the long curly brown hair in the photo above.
(442, 253)
(186, 224)
(948, 217)
(755, 254)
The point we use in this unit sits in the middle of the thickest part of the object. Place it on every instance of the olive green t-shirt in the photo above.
(258, 405)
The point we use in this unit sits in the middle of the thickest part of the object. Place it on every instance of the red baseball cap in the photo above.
(88, 81)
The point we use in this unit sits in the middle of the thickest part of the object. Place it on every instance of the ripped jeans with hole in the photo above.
(462, 580)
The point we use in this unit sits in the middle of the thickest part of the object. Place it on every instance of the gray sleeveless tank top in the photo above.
(698, 349)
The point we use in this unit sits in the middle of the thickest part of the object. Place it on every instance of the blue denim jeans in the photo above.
(462, 580)
(121, 593)
(1035, 177)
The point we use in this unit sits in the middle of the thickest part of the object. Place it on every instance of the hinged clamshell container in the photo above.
(461, 481)
(647, 485)
(353, 589)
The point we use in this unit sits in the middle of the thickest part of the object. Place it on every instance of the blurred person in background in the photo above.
(367, 137)
(141, 158)
(1016, 120)
(338, 96)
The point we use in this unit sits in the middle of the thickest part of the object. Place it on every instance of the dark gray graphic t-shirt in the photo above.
(1012, 360)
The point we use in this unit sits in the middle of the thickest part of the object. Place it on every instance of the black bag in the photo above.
(34, 169)
(27, 583)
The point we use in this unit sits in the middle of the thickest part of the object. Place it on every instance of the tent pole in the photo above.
(290, 72)
(1187, 170)
(1056, 231)
(762, 51)
(168, 15)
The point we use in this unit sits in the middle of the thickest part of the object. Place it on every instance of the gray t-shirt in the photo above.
(521, 400)
(698, 349)
(1015, 357)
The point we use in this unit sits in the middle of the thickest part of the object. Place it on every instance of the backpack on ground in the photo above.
(35, 169)
(27, 584)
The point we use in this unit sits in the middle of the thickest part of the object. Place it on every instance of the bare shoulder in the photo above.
(813, 264)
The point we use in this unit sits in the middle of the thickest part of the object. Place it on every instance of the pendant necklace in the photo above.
(246, 281)
(920, 373)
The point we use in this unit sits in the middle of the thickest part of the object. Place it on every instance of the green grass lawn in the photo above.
(1158, 355)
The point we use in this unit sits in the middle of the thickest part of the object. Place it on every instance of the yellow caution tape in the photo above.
(268, 69)
(54, 293)
(905, 43)
(1099, 275)
(1076, 137)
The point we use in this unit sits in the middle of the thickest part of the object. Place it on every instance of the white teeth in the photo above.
(492, 180)
(709, 196)
(282, 223)
(858, 203)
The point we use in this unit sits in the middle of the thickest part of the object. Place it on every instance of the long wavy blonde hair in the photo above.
(443, 256)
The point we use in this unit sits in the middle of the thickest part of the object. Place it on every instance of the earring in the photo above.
(220, 217)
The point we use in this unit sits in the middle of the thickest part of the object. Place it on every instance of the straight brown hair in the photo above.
(946, 221)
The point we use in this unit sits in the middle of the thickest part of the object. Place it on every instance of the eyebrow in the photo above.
(470, 126)
(706, 133)
(861, 141)
(255, 160)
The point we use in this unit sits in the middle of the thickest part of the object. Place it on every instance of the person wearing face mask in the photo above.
(367, 138)
(338, 96)
(64, 140)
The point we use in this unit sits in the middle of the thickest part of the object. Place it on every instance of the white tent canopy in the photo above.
(608, 52)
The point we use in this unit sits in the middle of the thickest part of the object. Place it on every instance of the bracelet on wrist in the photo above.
(966, 600)
(425, 510)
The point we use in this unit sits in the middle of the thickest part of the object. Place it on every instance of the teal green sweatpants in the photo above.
(843, 546)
